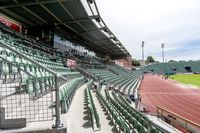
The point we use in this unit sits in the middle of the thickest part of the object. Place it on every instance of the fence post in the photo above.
(57, 107)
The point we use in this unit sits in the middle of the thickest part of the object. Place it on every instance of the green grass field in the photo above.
(193, 79)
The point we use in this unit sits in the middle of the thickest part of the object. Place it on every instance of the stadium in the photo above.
(62, 70)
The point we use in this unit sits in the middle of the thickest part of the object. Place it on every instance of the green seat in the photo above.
(24, 77)
(4, 68)
(136, 124)
(36, 85)
(14, 68)
(127, 128)
(18, 60)
(30, 87)
(154, 130)
(142, 129)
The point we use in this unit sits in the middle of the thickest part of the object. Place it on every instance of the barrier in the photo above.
(177, 121)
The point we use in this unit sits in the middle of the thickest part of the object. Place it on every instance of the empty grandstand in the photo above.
(174, 67)
(58, 75)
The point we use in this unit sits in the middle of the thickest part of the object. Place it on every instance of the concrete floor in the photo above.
(106, 124)
(77, 116)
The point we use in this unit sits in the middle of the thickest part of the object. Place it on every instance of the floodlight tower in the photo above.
(142, 53)
(163, 46)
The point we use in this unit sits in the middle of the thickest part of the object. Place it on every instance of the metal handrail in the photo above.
(20, 69)
(57, 83)
(187, 121)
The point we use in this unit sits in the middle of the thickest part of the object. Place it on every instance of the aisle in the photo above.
(76, 122)
(77, 118)
(106, 124)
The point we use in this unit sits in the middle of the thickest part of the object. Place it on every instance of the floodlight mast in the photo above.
(163, 46)
(142, 53)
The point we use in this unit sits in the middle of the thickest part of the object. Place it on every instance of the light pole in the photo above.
(163, 46)
(142, 53)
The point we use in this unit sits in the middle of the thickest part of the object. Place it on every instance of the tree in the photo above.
(150, 59)
(135, 62)
(171, 61)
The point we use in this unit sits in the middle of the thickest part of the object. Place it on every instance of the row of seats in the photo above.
(32, 79)
(99, 72)
(125, 83)
(113, 78)
(116, 118)
(120, 81)
(143, 120)
(67, 91)
(37, 87)
(102, 73)
(118, 70)
(173, 67)
(122, 100)
(50, 61)
(94, 117)
(129, 110)
(129, 86)
(133, 86)
(41, 45)
(134, 118)
(132, 121)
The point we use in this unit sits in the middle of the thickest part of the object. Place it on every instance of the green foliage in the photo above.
(171, 61)
(135, 62)
(150, 59)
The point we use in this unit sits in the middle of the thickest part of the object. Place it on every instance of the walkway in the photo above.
(77, 117)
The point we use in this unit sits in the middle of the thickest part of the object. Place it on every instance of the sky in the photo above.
(176, 23)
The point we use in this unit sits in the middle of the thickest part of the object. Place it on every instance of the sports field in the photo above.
(193, 79)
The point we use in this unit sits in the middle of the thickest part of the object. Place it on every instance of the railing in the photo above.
(83, 71)
(178, 121)
(12, 93)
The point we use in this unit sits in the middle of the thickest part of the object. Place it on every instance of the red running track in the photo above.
(183, 101)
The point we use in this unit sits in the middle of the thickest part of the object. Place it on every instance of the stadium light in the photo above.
(163, 46)
(142, 52)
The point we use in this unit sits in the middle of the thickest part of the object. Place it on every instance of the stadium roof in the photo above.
(70, 14)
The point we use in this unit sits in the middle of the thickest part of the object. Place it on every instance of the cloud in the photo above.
(173, 22)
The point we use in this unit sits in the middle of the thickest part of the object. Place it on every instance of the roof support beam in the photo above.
(97, 29)
(101, 48)
(35, 15)
(105, 39)
(25, 8)
(46, 9)
(32, 3)
(100, 41)
(75, 20)
(66, 10)
(61, 21)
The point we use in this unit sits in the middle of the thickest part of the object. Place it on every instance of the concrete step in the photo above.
(106, 124)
